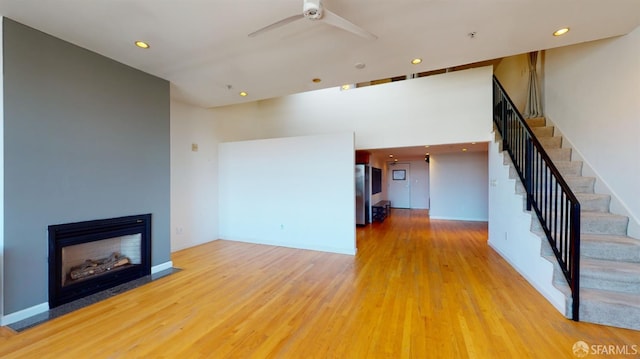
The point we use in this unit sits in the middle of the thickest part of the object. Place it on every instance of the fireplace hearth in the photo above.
(88, 257)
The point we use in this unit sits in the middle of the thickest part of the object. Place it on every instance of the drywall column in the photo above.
(1, 175)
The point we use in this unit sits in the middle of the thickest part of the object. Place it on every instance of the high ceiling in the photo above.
(202, 47)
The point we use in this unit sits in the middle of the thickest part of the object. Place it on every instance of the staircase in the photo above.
(610, 260)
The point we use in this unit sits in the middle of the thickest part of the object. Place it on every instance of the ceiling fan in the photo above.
(315, 11)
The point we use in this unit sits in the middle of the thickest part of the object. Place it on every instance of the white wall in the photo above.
(592, 96)
(459, 186)
(295, 192)
(194, 176)
(510, 234)
(448, 108)
(1, 175)
(513, 74)
(419, 185)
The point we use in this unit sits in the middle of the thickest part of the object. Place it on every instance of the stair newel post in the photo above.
(575, 260)
(528, 170)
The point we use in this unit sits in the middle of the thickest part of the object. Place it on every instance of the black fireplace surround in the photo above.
(62, 289)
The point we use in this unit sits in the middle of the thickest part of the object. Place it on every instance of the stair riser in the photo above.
(617, 315)
(600, 204)
(603, 251)
(559, 154)
(573, 168)
(576, 184)
(550, 142)
(610, 251)
(610, 226)
(536, 122)
(581, 184)
(513, 174)
(593, 281)
(546, 131)
(617, 226)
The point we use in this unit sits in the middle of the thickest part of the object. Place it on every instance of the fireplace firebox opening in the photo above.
(92, 256)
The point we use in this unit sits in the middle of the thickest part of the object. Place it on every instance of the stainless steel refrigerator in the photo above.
(362, 195)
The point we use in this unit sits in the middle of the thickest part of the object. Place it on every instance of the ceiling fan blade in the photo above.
(337, 21)
(276, 25)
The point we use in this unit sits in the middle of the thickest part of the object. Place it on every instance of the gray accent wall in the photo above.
(85, 138)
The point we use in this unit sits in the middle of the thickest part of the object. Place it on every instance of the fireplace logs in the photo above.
(92, 267)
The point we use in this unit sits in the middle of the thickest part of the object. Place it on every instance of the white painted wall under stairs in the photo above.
(510, 229)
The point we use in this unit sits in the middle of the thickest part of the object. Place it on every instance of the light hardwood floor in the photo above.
(418, 288)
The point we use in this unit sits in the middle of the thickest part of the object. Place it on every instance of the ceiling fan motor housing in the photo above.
(312, 9)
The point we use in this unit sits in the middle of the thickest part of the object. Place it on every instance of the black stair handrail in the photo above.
(548, 194)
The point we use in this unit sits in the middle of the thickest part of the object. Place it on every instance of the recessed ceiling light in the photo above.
(390, 156)
(396, 160)
(561, 32)
(464, 150)
(345, 87)
(243, 94)
(427, 146)
(316, 80)
(473, 143)
(142, 44)
(416, 61)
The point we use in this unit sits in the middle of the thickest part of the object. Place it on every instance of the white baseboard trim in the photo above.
(459, 219)
(25, 313)
(555, 299)
(161, 267)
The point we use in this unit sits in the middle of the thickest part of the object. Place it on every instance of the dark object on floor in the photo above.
(381, 210)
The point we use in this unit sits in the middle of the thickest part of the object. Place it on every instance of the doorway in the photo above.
(399, 180)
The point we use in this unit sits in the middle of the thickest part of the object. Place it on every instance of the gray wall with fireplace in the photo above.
(85, 138)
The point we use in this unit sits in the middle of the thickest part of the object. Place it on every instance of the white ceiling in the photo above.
(418, 152)
(201, 46)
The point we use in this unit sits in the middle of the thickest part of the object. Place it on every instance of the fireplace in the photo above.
(88, 257)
